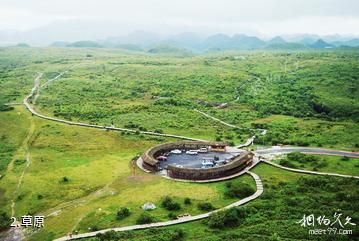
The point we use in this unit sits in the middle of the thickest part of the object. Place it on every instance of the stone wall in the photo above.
(235, 165)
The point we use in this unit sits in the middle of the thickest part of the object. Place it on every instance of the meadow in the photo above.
(80, 178)
(274, 216)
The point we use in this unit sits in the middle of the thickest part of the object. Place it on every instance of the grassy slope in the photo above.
(273, 216)
(333, 164)
(122, 89)
(13, 129)
(309, 132)
(97, 164)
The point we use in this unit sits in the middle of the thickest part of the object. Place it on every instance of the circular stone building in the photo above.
(179, 160)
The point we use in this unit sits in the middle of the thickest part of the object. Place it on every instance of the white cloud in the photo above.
(24, 19)
(266, 16)
(312, 25)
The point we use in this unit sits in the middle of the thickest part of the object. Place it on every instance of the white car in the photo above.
(207, 164)
(192, 152)
(176, 151)
(203, 150)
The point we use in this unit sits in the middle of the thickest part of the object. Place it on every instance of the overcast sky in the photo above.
(267, 17)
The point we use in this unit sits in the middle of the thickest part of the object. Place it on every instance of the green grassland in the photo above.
(333, 164)
(100, 177)
(274, 216)
(298, 97)
(81, 177)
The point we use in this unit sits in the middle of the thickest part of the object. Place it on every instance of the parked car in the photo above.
(176, 151)
(203, 150)
(192, 152)
(207, 164)
(162, 158)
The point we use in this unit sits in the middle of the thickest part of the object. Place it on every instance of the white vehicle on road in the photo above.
(207, 164)
(176, 151)
(203, 150)
(192, 152)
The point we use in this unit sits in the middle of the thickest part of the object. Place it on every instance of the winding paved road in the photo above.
(308, 172)
(309, 150)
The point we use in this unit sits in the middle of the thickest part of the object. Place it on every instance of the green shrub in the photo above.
(178, 234)
(172, 216)
(345, 158)
(239, 190)
(187, 201)
(94, 228)
(19, 162)
(205, 206)
(131, 125)
(231, 143)
(110, 235)
(4, 107)
(4, 221)
(123, 213)
(320, 164)
(170, 205)
(227, 218)
(340, 196)
(287, 163)
(300, 157)
(159, 131)
(145, 218)
(314, 182)
(65, 179)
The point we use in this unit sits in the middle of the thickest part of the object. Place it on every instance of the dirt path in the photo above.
(102, 192)
(249, 141)
(16, 234)
(25, 147)
(263, 131)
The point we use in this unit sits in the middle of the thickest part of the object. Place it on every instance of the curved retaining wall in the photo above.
(236, 164)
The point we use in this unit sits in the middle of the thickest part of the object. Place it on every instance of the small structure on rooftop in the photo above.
(220, 147)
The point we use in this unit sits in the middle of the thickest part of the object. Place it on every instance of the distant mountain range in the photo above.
(191, 42)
